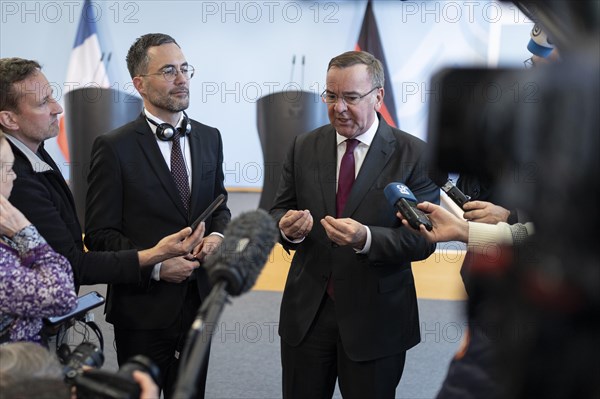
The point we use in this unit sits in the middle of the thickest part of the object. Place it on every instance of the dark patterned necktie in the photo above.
(345, 182)
(179, 170)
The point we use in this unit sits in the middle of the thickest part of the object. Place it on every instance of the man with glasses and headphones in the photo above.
(349, 308)
(155, 174)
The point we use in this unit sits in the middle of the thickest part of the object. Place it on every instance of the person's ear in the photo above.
(379, 96)
(9, 120)
(138, 83)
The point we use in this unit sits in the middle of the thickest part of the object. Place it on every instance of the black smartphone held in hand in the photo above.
(85, 303)
(208, 211)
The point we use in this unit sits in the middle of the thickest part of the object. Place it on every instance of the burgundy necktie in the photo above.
(346, 176)
(179, 171)
(345, 182)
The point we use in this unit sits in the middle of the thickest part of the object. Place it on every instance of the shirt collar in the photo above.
(365, 138)
(37, 164)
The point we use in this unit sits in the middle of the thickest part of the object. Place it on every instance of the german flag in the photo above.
(369, 41)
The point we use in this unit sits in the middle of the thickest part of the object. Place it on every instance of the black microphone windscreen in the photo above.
(248, 241)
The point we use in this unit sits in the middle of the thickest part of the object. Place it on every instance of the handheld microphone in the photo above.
(455, 194)
(442, 181)
(243, 253)
(232, 269)
(400, 196)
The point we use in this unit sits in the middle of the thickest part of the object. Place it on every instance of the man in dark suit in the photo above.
(29, 116)
(152, 175)
(349, 308)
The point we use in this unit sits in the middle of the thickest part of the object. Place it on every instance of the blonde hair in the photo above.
(22, 360)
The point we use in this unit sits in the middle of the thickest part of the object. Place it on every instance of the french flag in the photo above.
(369, 41)
(87, 65)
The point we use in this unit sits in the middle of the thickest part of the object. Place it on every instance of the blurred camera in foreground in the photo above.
(81, 370)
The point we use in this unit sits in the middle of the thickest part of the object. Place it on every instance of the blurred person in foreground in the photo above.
(533, 308)
(29, 371)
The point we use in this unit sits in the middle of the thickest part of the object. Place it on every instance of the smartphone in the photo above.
(85, 303)
(208, 211)
(413, 215)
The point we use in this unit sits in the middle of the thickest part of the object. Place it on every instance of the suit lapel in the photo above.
(379, 154)
(147, 143)
(326, 152)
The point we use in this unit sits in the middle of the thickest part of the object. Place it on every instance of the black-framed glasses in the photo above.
(170, 72)
(348, 99)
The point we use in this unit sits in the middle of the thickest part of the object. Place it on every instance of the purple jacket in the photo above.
(35, 282)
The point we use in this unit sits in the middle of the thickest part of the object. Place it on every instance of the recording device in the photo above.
(455, 194)
(447, 185)
(98, 384)
(208, 211)
(232, 270)
(243, 253)
(85, 354)
(400, 196)
(85, 303)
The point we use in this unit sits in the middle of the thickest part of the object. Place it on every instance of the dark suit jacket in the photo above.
(375, 299)
(133, 202)
(45, 199)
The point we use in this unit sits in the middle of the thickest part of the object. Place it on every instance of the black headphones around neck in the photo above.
(166, 131)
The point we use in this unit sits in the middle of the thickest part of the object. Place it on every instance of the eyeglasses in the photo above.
(349, 99)
(170, 72)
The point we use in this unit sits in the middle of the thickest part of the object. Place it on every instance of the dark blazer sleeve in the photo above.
(43, 200)
(104, 204)
(285, 198)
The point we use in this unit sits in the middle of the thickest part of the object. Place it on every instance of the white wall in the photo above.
(242, 50)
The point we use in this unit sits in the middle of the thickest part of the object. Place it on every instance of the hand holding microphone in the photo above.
(485, 212)
(446, 225)
(400, 196)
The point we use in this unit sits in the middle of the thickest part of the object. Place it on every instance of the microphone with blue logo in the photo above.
(400, 196)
